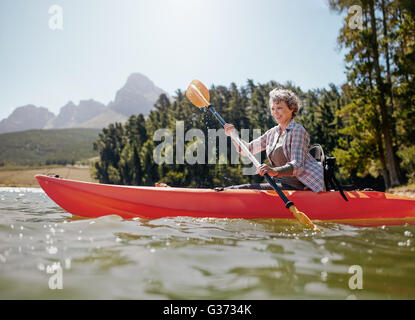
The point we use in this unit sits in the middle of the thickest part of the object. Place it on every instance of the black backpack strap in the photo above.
(329, 167)
(340, 188)
(329, 164)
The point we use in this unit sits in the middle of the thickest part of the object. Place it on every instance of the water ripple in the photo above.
(188, 258)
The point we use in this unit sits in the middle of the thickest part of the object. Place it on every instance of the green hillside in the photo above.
(42, 147)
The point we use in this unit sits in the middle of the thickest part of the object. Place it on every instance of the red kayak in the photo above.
(364, 208)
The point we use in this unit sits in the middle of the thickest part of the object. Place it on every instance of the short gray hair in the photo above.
(290, 98)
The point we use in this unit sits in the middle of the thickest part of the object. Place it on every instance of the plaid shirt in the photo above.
(295, 147)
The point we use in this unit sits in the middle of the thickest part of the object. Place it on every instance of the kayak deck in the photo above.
(86, 199)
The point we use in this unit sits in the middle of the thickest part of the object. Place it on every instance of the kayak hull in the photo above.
(366, 208)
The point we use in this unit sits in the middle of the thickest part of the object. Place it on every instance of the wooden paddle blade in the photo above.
(198, 94)
(303, 219)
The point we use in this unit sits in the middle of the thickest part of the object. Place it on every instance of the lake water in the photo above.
(46, 253)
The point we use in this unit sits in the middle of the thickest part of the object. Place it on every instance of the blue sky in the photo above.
(170, 41)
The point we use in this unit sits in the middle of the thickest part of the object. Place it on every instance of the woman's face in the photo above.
(281, 113)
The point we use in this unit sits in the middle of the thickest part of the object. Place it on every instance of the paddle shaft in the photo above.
(287, 202)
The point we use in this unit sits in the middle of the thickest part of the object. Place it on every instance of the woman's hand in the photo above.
(229, 128)
(263, 169)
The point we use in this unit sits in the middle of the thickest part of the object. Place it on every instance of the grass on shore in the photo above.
(407, 190)
(25, 177)
(407, 187)
(16, 167)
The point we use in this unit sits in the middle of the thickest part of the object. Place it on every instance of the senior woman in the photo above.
(292, 166)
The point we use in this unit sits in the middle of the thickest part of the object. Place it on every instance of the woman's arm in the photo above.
(285, 170)
(257, 145)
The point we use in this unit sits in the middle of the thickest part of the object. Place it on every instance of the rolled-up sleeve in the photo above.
(259, 144)
(298, 149)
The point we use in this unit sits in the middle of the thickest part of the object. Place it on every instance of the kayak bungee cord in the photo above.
(199, 95)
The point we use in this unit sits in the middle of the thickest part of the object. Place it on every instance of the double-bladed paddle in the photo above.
(199, 95)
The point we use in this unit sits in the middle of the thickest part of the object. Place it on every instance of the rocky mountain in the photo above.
(138, 95)
(72, 115)
(104, 119)
(25, 118)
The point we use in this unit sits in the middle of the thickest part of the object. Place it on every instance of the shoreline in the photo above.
(406, 191)
(25, 178)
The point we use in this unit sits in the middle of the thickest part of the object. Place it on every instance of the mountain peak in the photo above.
(137, 76)
(25, 118)
(138, 95)
(72, 115)
(139, 83)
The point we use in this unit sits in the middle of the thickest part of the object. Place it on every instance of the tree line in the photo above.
(367, 123)
(379, 121)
